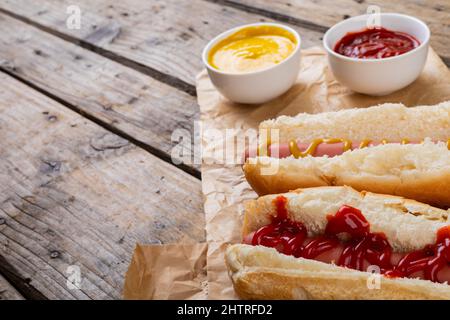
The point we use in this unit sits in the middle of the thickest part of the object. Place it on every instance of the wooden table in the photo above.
(86, 122)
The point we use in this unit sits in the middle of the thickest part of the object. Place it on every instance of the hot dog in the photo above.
(388, 149)
(320, 243)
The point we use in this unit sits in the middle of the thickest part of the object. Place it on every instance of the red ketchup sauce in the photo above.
(376, 43)
(360, 249)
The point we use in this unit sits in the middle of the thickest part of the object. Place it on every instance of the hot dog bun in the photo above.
(262, 273)
(417, 171)
(391, 121)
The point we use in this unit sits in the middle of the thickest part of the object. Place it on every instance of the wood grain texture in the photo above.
(168, 35)
(436, 13)
(74, 194)
(123, 99)
(7, 291)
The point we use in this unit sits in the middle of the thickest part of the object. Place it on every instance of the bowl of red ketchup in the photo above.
(377, 58)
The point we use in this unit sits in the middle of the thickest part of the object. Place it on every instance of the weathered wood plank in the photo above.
(7, 291)
(73, 194)
(165, 35)
(123, 99)
(436, 13)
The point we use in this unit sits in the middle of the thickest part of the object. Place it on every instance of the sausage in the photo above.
(323, 149)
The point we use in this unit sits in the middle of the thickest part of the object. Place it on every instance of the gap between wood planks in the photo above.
(272, 15)
(7, 291)
(21, 285)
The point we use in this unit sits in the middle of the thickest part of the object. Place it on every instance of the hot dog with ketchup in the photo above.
(387, 149)
(328, 242)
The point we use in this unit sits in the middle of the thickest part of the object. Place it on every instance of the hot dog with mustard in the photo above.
(389, 149)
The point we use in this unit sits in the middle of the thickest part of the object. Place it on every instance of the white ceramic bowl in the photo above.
(257, 86)
(378, 76)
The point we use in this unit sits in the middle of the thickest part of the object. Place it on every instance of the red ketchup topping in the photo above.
(283, 234)
(376, 43)
(361, 248)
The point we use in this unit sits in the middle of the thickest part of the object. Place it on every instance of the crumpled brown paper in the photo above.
(171, 271)
(223, 184)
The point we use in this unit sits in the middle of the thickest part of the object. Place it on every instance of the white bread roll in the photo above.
(387, 121)
(262, 273)
(417, 171)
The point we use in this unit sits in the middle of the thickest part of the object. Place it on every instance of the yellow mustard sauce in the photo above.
(404, 141)
(252, 48)
(365, 143)
(312, 147)
(297, 153)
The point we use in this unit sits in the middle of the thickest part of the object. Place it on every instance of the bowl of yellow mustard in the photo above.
(254, 63)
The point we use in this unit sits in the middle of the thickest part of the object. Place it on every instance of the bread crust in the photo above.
(258, 272)
(392, 121)
(263, 273)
